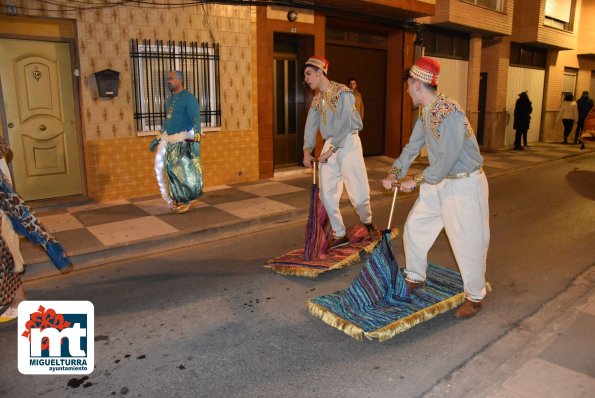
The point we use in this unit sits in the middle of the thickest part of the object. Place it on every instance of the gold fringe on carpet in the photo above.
(314, 272)
(426, 314)
(390, 330)
(416, 318)
(347, 261)
(335, 321)
(296, 271)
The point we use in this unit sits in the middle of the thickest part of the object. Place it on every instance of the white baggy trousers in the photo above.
(460, 206)
(347, 167)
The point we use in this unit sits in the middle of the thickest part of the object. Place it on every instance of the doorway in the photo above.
(368, 67)
(285, 109)
(39, 109)
(531, 81)
(291, 99)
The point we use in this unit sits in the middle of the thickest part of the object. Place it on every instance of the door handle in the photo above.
(42, 127)
(10, 125)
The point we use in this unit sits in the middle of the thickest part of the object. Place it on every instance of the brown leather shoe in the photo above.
(468, 309)
(414, 285)
(338, 242)
(373, 232)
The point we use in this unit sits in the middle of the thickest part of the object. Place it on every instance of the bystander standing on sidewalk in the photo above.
(568, 114)
(522, 119)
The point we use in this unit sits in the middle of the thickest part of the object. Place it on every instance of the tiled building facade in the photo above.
(117, 161)
(115, 157)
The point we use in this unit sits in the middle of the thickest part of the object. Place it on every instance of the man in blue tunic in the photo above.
(178, 148)
(453, 190)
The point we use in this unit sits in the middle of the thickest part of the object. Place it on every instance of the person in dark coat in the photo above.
(522, 119)
(584, 105)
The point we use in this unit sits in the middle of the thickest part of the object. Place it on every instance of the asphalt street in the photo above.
(211, 321)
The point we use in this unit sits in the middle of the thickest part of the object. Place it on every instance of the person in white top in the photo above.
(568, 114)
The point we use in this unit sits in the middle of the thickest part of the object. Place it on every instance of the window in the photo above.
(522, 55)
(446, 44)
(151, 63)
(497, 5)
(569, 82)
(559, 14)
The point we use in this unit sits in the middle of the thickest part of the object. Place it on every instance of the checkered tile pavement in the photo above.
(97, 226)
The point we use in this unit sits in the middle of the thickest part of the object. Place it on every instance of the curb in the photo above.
(486, 370)
(146, 247)
(95, 257)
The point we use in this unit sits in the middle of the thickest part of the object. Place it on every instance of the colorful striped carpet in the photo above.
(293, 262)
(378, 305)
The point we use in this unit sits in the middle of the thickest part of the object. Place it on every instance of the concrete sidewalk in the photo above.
(99, 233)
(549, 354)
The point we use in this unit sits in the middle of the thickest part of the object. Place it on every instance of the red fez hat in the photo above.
(427, 70)
(318, 62)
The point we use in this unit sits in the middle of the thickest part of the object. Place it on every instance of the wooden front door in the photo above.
(38, 96)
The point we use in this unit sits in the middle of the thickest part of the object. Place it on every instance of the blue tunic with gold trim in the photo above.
(180, 145)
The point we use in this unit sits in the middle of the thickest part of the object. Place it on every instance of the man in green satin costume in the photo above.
(178, 148)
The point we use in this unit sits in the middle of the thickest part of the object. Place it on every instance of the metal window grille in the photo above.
(151, 62)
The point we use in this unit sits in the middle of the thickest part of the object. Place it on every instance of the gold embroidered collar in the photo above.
(330, 98)
(441, 107)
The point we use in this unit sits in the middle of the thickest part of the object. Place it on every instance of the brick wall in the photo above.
(456, 12)
(495, 56)
(103, 42)
(119, 168)
(553, 36)
(525, 21)
(123, 167)
(529, 17)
